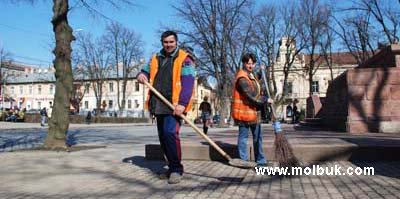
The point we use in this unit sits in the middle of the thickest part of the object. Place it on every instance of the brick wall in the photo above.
(334, 111)
(314, 106)
(366, 98)
(387, 57)
(374, 100)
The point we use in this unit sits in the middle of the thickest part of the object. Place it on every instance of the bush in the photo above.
(3, 116)
(302, 115)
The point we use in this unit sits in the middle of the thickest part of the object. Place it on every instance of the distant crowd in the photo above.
(12, 115)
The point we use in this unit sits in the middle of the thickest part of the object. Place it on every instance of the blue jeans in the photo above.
(168, 133)
(43, 121)
(257, 142)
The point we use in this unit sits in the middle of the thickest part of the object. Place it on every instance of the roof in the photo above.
(46, 77)
(339, 58)
(31, 78)
(110, 74)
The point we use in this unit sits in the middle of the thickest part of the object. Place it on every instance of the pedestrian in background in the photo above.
(43, 115)
(205, 108)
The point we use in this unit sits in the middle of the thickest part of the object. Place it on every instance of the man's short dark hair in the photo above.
(169, 33)
(246, 57)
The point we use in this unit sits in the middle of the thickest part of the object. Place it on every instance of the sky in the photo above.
(26, 30)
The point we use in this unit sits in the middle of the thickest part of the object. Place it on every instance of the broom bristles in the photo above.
(284, 152)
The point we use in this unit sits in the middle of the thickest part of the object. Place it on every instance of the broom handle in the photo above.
(159, 95)
(264, 78)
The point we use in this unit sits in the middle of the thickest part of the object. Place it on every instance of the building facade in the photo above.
(34, 88)
(298, 80)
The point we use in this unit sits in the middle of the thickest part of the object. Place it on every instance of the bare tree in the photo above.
(313, 20)
(59, 123)
(274, 24)
(384, 14)
(127, 48)
(326, 44)
(265, 39)
(220, 31)
(291, 34)
(364, 25)
(356, 36)
(80, 83)
(95, 62)
(5, 56)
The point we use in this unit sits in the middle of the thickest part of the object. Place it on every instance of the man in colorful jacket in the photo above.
(172, 73)
(247, 101)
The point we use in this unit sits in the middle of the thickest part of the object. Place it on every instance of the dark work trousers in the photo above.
(168, 132)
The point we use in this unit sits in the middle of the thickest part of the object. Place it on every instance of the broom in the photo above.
(236, 162)
(283, 150)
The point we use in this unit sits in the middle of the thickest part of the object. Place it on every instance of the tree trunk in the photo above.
(225, 105)
(59, 121)
(123, 104)
(310, 80)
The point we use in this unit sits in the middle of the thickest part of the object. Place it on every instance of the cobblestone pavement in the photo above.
(120, 171)
(99, 174)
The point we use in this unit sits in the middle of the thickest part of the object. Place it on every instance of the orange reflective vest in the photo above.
(242, 110)
(176, 78)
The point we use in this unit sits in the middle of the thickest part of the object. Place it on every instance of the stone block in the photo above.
(360, 127)
(395, 110)
(379, 92)
(389, 127)
(365, 109)
(357, 112)
(362, 77)
(356, 92)
(395, 91)
(392, 77)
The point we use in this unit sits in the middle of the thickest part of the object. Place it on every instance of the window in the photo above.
(110, 104)
(129, 104)
(51, 89)
(30, 89)
(136, 104)
(12, 89)
(137, 86)
(124, 103)
(111, 87)
(87, 86)
(315, 87)
(39, 89)
(289, 88)
(39, 104)
(21, 90)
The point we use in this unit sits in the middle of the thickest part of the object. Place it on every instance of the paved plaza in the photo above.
(117, 168)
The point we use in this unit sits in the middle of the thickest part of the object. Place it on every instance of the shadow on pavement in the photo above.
(154, 166)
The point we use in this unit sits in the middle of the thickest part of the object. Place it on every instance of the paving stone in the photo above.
(101, 173)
